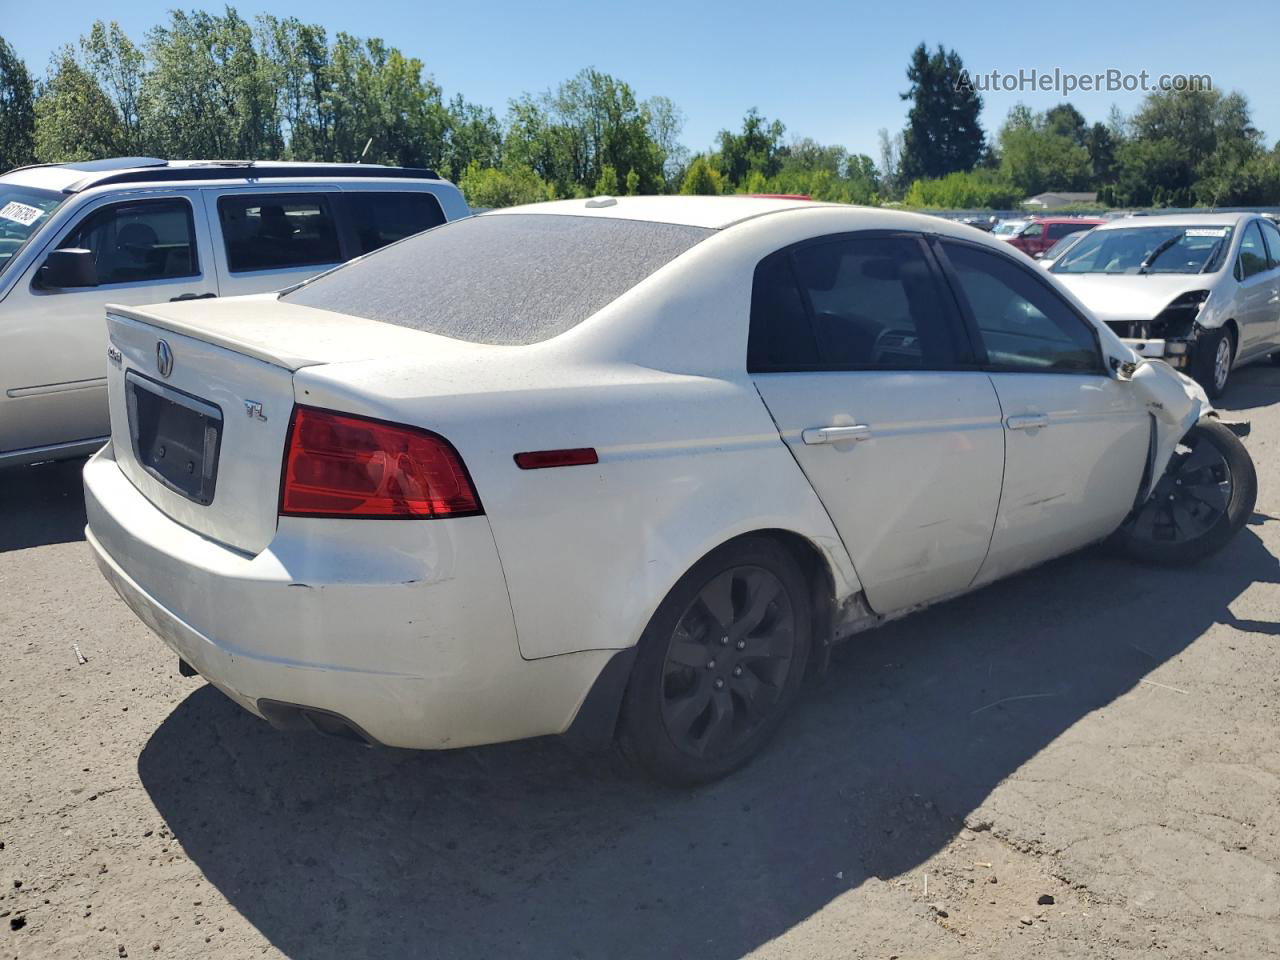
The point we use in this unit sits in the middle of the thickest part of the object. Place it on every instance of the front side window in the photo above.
(139, 241)
(275, 231)
(23, 211)
(1022, 323)
(1253, 253)
(1033, 230)
(856, 303)
(382, 218)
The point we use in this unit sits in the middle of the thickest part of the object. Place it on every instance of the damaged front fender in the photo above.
(1176, 402)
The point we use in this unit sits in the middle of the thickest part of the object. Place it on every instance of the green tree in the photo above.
(473, 135)
(209, 93)
(607, 182)
(75, 119)
(702, 177)
(17, 110)
(758, 147)
(1039, 152)
(493, 187)
(117, 65)
(964, 190)
(295, 58)
(943, 131)
(1064, 120)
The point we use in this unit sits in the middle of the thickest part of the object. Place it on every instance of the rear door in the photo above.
(1076, 439)
(268, 239)
(146, 249)
(855, 350)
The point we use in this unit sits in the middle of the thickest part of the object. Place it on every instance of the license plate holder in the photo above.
(175, 436)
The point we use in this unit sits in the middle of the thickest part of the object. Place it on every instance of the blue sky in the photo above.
(829, 70)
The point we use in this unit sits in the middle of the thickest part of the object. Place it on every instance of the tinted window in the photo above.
(872, 303)
(270, 231)
(1023, 324)
(1059, 230)
(1272, 234)
(781, 336)
(383, 218)
(1253, 254)
(140, 241)
(501, 278)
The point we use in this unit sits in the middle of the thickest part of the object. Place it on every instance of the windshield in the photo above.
(1063, 245)
(1008, 226)
(501, 278)
(23, 211)
(1148, 250)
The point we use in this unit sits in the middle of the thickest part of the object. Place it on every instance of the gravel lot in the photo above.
(1082, 761)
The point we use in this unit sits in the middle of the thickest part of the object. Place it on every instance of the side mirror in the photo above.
(72, 267)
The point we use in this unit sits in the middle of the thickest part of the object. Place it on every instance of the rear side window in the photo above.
(1023, 324)
(139, 241)
(273, 231)
(855, 303)
(381, 218)
(501, 278)
(1272, 233)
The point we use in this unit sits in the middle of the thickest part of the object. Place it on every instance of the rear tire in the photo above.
(720, 663)
(1207, 493)
(1215, 355)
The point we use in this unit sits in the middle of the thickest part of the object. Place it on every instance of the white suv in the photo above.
(75, 237)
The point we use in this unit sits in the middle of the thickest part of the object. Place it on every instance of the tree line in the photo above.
(217, 86)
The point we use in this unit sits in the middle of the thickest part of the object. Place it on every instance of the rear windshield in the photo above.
(501, 279)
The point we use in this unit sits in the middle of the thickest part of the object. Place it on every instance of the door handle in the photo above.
(1029, 421)
(816, 435)
(192, 296)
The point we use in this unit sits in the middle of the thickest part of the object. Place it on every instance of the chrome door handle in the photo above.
(1027, 421)
(816, 435)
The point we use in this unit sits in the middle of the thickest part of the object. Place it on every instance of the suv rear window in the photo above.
(269, 231)
(503, 278)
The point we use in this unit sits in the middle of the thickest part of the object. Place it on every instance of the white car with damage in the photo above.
(623, 467)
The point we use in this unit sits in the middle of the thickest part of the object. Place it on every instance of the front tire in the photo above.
(720, 663)
(1207, 493)
(1215, 356)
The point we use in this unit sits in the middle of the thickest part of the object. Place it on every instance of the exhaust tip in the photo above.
(294, 717)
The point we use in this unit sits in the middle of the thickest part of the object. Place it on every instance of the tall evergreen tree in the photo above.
(943, 131)
(17, 110)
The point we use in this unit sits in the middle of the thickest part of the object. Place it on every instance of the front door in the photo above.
(1076, 439)
(54, 364)
(855, 350)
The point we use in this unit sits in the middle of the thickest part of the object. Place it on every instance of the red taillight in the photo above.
(337, 465)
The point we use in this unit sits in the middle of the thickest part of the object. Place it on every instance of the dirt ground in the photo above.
(1080, 762)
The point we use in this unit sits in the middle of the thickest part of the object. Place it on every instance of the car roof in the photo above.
(77, 176)
(698, 211)
(1179, 220)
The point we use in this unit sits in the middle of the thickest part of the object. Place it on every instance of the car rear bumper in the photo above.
(402, 628)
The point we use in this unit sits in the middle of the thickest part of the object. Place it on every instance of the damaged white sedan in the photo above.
(623, 468)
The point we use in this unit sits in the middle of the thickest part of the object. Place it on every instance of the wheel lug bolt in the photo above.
(724, 641)
(719, 684)
(711, 664)
(741, 644)
(737, 671)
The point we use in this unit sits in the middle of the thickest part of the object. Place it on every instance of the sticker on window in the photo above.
(1207, 232)
(21, 213)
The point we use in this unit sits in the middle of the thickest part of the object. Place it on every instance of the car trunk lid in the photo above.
(201, 396)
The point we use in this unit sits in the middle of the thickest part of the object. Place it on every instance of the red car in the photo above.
(1043, 232)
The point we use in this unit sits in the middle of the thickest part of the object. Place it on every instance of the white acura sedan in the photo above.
(623, 468)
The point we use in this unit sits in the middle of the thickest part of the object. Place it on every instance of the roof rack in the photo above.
(215, 169)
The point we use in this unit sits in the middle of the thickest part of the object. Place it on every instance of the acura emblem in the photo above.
(164, 358)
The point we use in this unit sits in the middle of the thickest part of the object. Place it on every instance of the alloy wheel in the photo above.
(1191, 497)
(728, 661)
(1222, 362)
